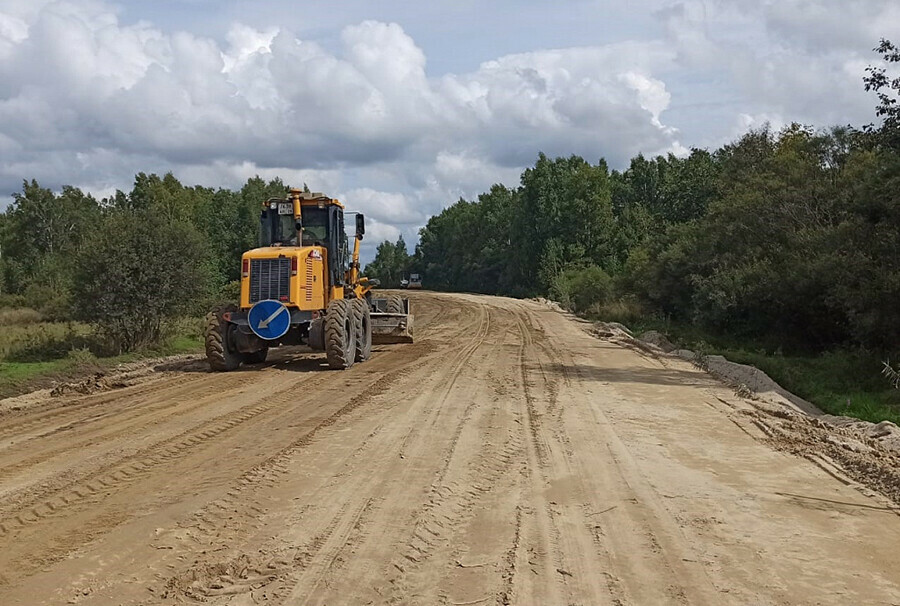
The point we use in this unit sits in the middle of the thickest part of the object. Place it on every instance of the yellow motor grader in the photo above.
(302, 286)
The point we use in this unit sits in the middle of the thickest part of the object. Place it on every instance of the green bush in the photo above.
(52, 303)
(185, 327)
(230, 292)
(137, 270)
(580, 288)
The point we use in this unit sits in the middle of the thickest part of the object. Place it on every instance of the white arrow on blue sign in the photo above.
(269, 320)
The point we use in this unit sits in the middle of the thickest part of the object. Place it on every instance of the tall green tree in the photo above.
(565, 218)
(887, 88)
(39, 234)
(391, 263)
(766, 259)
(469, 246)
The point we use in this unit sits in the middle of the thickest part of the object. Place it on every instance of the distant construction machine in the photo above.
(301, 286)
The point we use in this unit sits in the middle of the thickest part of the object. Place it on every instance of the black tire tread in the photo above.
(217, 354)
(395, 305)
(363, 327)
(339, 346)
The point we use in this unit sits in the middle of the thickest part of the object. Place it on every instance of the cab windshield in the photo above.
(276, 229)
(315, 226)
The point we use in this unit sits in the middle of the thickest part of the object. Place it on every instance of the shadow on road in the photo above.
(295, 359)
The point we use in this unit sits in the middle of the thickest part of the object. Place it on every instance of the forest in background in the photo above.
(792, 236)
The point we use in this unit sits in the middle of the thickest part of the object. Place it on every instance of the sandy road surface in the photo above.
(507, 457)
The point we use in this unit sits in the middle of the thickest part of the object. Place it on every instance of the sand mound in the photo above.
(657, 338)
(749, 379)
(548, 303)
(750, 382)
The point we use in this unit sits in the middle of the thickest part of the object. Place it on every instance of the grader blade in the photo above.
(388, 328)
(392, 320)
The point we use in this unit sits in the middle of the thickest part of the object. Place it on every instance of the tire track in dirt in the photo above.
(207, 524)
(49, 501)
(104, 430)
(504, 458)
(46, 506)
(459, 486)
(414, 445)
(540, 536)
(649, 540)
(53, 413)
(316, 556)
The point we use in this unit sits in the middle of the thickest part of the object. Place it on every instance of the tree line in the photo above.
(790, 236)
(128, 262)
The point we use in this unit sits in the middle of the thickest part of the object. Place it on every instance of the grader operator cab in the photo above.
(302, 286)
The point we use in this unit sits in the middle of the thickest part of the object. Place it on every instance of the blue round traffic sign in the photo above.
(269, 319)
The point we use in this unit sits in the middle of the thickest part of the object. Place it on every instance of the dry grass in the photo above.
(42, 341)
(19, 316)
(623, 311)
(27, 337)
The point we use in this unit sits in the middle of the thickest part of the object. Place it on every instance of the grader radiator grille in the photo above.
(270, 279)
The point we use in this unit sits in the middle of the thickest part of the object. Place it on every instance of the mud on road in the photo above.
(506, 457)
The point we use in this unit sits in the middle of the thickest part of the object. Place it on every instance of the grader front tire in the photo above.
(340, 334)
(363, 330)
(220, 357)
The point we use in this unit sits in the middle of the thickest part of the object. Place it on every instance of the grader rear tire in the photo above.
(395, 305)
(363, 330)
(340, 334)
(221, 358)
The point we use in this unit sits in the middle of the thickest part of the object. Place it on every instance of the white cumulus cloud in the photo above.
(90, 97)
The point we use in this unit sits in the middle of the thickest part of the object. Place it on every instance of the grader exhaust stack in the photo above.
(392, 321)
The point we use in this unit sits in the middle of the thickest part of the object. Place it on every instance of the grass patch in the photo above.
(12, 373)
(39, 355)
(625, 311)
(183, 344)
(46, 341)
(22, 377)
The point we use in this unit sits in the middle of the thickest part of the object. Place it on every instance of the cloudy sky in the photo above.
(399, 107)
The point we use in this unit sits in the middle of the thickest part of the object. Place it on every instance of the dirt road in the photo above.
(507, 457)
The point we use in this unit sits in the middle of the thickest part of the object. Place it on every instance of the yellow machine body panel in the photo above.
(308, 276)
(304, 268)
